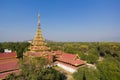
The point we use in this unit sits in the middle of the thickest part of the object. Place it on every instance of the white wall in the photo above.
(67, 68)
(7, 51)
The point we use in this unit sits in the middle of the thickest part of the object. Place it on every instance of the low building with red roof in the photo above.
(67, 61)
(8, 64)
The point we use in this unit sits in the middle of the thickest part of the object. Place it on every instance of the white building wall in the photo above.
(7, 51)
(67, 68)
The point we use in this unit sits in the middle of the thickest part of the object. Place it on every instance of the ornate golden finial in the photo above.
(38, 20)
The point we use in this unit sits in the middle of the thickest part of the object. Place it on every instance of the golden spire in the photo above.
(38, 43)
(38, 20)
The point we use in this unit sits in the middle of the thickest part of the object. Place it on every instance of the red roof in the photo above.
(57, 52)
(46, 55)
(7, 55)
(49, 57)
(69, 58)
(60, 56)
(3, 75)
(66, 65)
(68, 55)
(72, 62)
(3, 61)
(9, 65)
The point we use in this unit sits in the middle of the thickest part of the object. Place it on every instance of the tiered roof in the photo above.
(38, 44)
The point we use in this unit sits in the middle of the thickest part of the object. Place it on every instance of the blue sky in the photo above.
(61, 20)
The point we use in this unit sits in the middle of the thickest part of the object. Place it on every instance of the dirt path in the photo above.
(66, 73)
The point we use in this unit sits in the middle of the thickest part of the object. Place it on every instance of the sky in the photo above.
(61, 20)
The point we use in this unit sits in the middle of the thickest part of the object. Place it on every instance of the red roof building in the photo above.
(67, 61)
(68, 58)
(8, 64)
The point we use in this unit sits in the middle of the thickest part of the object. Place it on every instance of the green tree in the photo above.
(85, 73)
(12, 76)
(109, 69)
(84, 48)
(35, 69)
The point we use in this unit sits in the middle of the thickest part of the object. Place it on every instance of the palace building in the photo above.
(67, 61)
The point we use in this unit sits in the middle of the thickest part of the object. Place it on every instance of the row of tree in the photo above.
(108, 69)
(92, 52)
(18, 47)
(89, 51)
